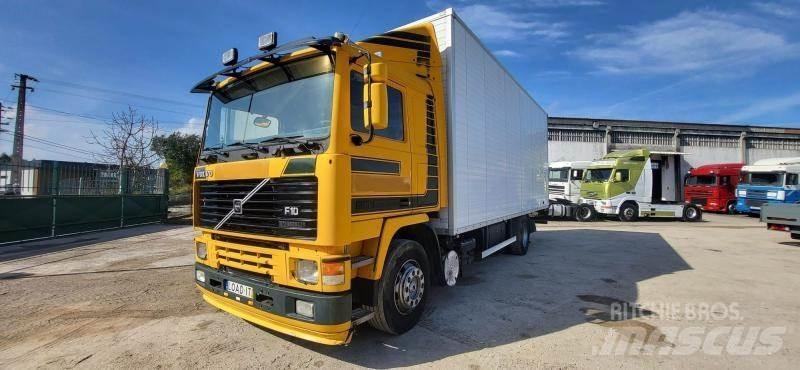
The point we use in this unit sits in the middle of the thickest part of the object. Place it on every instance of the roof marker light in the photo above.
(230, 57)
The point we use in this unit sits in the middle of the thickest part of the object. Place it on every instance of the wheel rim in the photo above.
(409, 287)
(691, 213)
(731, 208)
(584, 213)
(628, 212)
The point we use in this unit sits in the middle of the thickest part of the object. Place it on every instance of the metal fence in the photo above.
(51, 198)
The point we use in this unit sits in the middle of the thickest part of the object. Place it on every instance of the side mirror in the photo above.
(376, 97)
(376, 111)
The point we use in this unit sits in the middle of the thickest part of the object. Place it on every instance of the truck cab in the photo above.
(564, 181)
(713, 187)
(631, 184)
(772, 180)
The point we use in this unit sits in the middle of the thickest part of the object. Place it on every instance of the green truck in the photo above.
(629, 184)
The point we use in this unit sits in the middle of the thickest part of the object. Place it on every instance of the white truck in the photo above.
(564, 186)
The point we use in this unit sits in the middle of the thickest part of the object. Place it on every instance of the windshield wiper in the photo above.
(250, 146)
(213, 157)
(284, 139)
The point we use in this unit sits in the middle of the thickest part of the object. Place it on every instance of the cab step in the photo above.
(361, 315)
(361, 261)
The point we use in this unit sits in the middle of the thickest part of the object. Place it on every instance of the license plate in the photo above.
(240, 289)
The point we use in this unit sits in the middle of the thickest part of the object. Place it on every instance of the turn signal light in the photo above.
(332, 273)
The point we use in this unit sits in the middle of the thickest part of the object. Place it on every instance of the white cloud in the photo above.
(688, 42)
(778, 9)
(494, 24)
(193, 126)
(763, 107)
(507, 53)
(564, 3)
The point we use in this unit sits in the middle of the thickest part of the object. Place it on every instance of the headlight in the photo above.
(781, 195)
(306, 271)
(742, 193)
(772, 194)
(200, 275)
(202, 250)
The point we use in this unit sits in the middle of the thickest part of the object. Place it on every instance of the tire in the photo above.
(523, 233)
(795, 236)
(731, 208)
(691, 213)
(400, 294)
(629, 212)
(585, 213)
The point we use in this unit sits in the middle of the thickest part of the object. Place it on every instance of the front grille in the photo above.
(283, 207)
(555, 189)
(251, 260)
(757, 194)
(700, 201)
(754, 202)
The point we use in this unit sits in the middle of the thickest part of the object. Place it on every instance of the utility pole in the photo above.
(1, 116)
(19, 131)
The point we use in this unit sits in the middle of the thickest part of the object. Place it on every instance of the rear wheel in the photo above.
(523, 233)
(795, 236)
(629, 212)
(731, 208)
(585, 213)
(401, 292)
(691, 213)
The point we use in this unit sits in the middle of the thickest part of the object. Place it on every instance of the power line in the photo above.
(116, 102)
(53, 151)
(63, 146)
(86, 116)
(110, 91)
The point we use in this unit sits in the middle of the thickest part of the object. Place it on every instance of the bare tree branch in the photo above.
(127, 138)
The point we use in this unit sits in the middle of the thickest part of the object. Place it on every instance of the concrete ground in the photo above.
(711, 293)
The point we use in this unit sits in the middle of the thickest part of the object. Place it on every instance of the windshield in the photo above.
(293, 99)
(597, 175)
(559, 174)
(701, 180)
(764, 178)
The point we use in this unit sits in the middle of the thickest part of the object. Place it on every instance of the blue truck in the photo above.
(773, 180)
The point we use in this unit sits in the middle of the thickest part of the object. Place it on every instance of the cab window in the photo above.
(577, 174)
(791, 179)
(395, 129)
(623, 175)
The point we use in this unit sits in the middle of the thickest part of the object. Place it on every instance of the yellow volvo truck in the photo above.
(339, 180)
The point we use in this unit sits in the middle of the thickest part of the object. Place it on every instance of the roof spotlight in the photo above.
(267, 41)
(230, 57)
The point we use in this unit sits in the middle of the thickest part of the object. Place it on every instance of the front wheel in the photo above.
(401, 293)
(585, 213)
(691, 213)
(629, 212)
(731, 208)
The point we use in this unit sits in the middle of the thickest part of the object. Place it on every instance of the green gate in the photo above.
(46, 199)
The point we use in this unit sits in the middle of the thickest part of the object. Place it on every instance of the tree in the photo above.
(127, 138)
(180, 152)
(5, 158)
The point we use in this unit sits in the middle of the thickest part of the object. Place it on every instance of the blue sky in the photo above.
(714, 61)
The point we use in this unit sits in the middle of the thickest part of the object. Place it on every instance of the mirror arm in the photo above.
(356, 138)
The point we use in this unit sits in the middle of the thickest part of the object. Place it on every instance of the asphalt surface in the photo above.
(126, 299)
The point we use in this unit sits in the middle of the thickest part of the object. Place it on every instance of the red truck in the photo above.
(713, 186)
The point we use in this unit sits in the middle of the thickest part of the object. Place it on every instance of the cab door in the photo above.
(381, 170)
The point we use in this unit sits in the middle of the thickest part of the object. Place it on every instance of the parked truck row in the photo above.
(631, 184)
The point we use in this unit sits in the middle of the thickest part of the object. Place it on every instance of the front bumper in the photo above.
(273, 307)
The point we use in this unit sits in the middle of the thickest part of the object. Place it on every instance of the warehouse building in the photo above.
(680, 145)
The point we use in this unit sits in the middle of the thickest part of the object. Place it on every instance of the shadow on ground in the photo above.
(31, 249)
(570, 277)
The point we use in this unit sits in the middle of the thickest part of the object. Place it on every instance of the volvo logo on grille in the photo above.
(237, 206)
